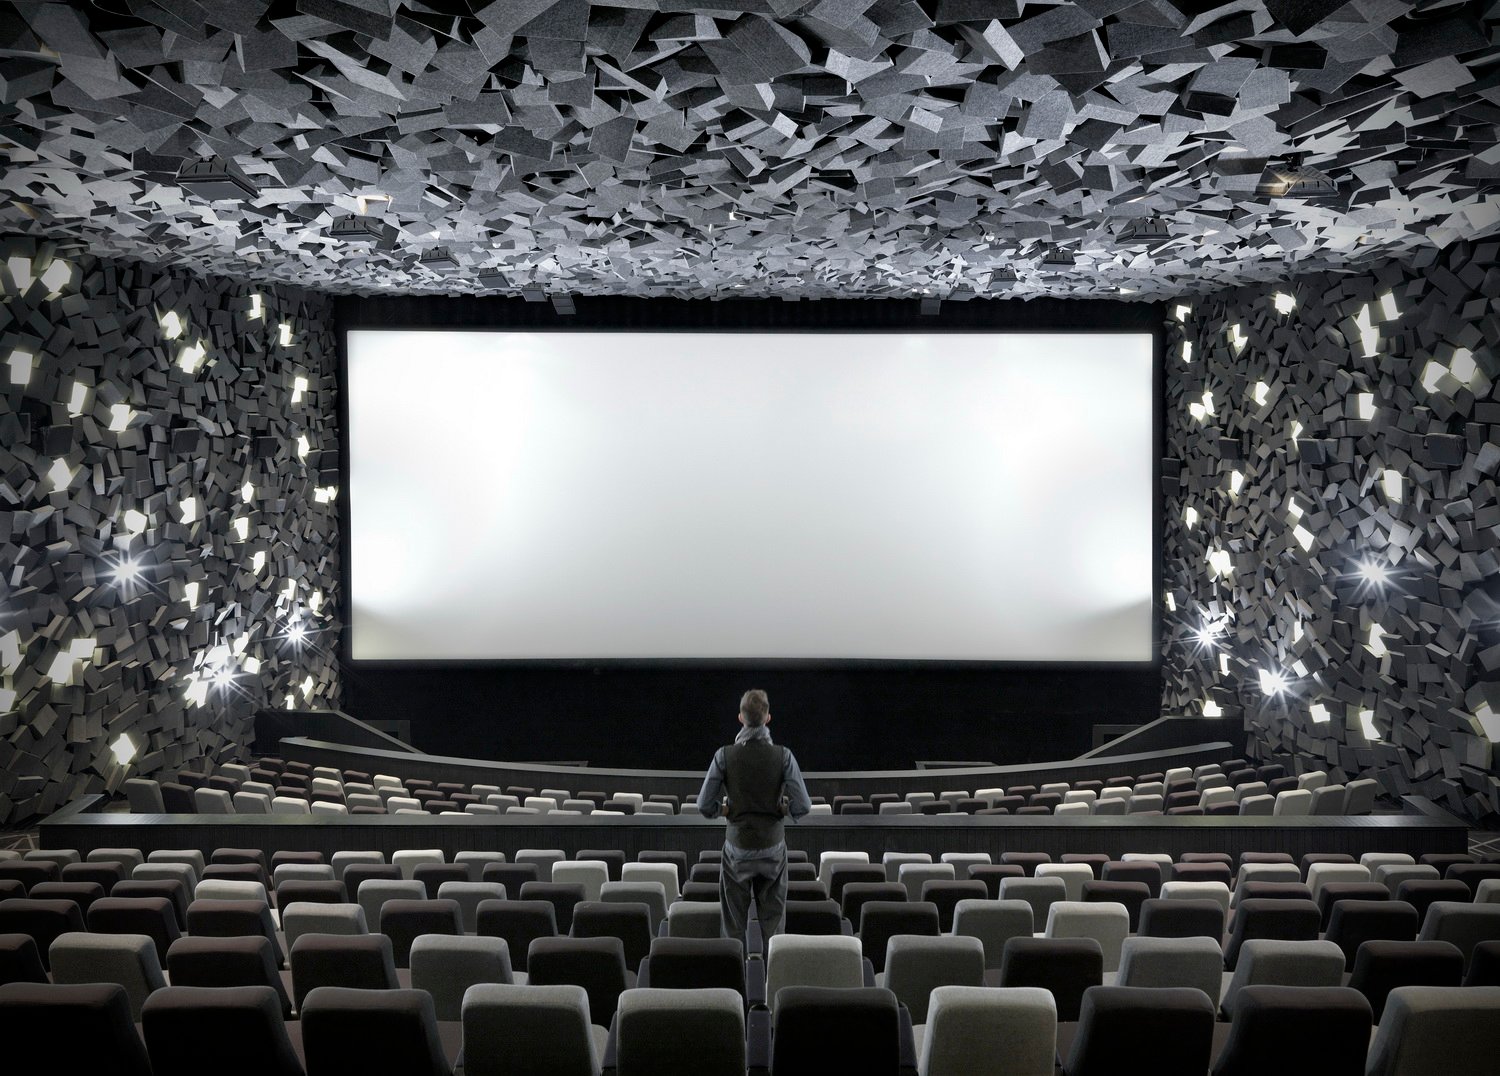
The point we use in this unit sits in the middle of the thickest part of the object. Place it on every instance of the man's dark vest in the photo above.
(753, 773)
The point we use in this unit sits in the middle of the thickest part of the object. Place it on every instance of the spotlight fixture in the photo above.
(563, 304)
(1293, 179)
(1057, 258)
(438, 259)
(1144, 231)
(493, 280)
(297, 634)
(1003, 277)
(357, 229)
(215, 179)
(127, 572)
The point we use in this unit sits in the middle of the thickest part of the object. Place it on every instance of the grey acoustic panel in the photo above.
(790, 148)
(1322, 432)
(160, 521)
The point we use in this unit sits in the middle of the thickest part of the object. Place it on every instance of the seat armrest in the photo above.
(755, 982)
(758, 1042)
(869, 968)
(643, 977)
(755, 941)
(609, 1062)
(908, 1043)
(847, 927)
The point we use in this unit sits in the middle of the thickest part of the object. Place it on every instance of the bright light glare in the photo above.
(1367, 724)
(1273, 682)
(127, 571)
(1374, 574)
(297, 634)
(124, 749)
(1285, 303)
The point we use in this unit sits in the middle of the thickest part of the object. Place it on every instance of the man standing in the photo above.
(755, 784)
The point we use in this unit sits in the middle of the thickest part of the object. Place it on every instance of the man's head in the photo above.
(755, 708)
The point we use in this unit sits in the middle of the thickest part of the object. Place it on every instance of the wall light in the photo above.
(1369, 335)
(1181, 311)
(1190, 517)
(1375, 641)
(187, 509)
(299, 389)
(127, 572)
(257, 305)
(1367, 726)
(1273, 682)
(247, 492)
(285, 334)
(1319, 713)
(1260, 393)
(57, 277)
(171, 325)
(302, 446)
(124, 749)
(1187, 351)
(78, 400)
(1391, 483)
(1237, 337)
(1304, 537)
(1284, 303)
(241, 528)
(60, 474)
(135, 522)
(190, 594)
(1236, 483)
(1365, 404)
(119, 417)
(1212, 709)
(1463, 366)
(1374, 574)
(192, 356)
(20, 362)
(1388, 306)
(1294, 430)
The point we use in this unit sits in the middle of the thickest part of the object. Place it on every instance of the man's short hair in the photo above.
(755, 707)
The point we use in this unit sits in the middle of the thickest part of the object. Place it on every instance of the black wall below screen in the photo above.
(834, 719)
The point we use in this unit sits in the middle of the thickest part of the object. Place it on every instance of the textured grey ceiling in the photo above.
(794, 148)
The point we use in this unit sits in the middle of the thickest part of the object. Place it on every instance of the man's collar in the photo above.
(759, 732)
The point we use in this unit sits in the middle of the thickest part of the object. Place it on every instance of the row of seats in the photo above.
(895, 939)
(272, 786)
(540, 1030)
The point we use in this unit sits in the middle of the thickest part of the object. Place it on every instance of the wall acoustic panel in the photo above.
(1332, 542)
(168, 531)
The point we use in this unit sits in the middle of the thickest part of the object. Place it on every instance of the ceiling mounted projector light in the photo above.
(563, 304)
(438, 259)
(1004, 277)
(354, 229)
(1145, 230)
(1057, 258)
(215, 179)
(1296, 180)
(493, 280)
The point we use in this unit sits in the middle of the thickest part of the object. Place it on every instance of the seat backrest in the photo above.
(510, 1030)
(865, 1022)
(446, 966)
(812, 960)
(966, 1022)
(1196, 962)
(1465, 925)
(350, 1030)
(304, 917)
(87, 1028)
(127, 959)
(374, 892)
(364, 961)
(1273, 962)
(183, 1025)
(596, 964)
(519, 922)
(1176, 1025)
(1105, 922)
(680, 1033)
(1427, 1029)
(993, 922)
(915, 965)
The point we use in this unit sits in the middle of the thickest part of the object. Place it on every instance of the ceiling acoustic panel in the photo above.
(783, 148)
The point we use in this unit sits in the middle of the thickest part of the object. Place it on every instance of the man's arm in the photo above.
(794, 788)
(711, 796)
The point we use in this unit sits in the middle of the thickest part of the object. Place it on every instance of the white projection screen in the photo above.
(958, 496)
